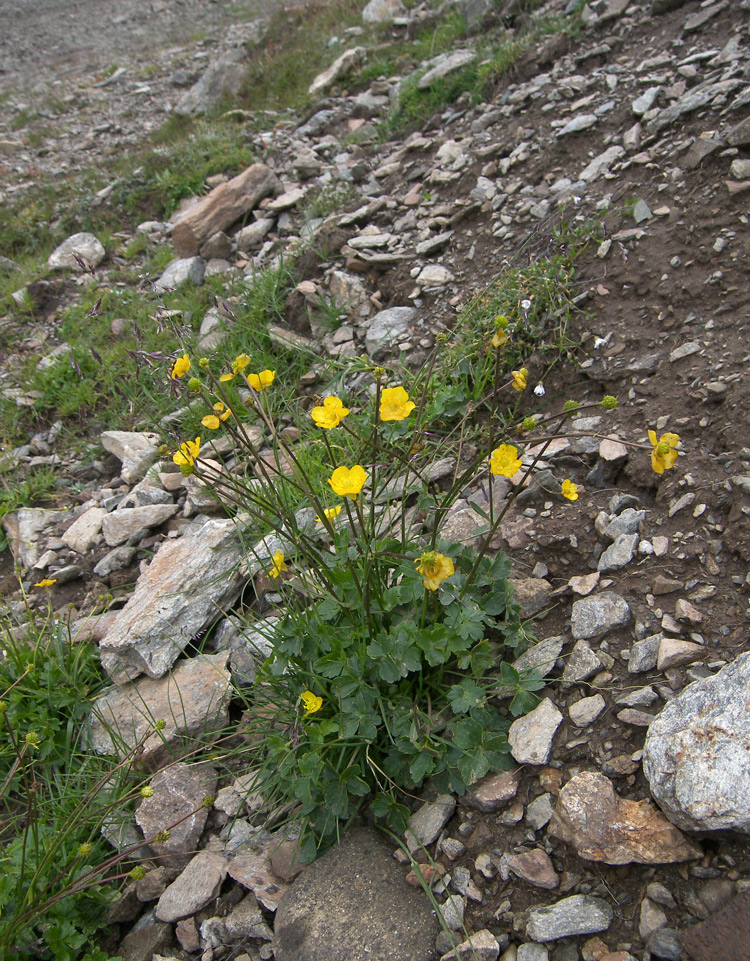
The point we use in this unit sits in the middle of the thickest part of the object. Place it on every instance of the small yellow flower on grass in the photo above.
(348, 482)
(570, 490)
(278, 565)
(46, 582)
(395, 404)
(215, 420)
(505, 461)
(500, 338)
(330, 414)
(520, 379)
(261, 381)
(664, 454)
(186, 456)
(434, 568)
(311, 702)
(240, 362)
(330, 513)
(180, 367)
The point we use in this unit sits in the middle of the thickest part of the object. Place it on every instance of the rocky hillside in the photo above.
(595, 193)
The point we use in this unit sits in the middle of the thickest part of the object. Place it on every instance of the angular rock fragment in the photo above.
(604, 827)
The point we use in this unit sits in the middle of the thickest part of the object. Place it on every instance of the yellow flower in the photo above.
(47, 582)
(664, 454)
(434, 568)
(239, 363)
(261, 381)
(330, 513)
(330, 414)
(214, 421)
(348, 482)
(311, 702)
(188, 452)
(500, 338)
(519, 378)
(505, 460)
(278, 565)
(570, 490)
(395, 404)
(180, 367)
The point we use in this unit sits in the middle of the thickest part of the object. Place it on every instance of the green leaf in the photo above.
(465, 695)
(394, 655)
(421, 766)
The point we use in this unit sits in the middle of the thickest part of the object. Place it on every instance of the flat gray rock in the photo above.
(137, 450)
(697, 753)
(181, 271)
(182, 592)
(579, 914)
(222, 80)
(199, 884)
(353, 904)
(445, 65)
(530, 737)
(596, 616)
(387, 328)
(86, 246)
(121, 525)
(618, 554)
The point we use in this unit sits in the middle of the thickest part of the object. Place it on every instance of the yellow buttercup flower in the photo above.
(278, 565)
(240, 362)
(570, 490)
(215, 420)
(395, 404)
(261, 381)
(311, 702)
(520, 378)
(330, 414)
(46, 582)
(330, 513)
(188, 453)
(500, 338)
(434, 568)
(505, 461)
(664, 454)
(348, 482)
(180, 367)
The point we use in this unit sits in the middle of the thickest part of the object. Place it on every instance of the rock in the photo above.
(198, 884)
(674, 652)
(452, 912)
(540, 657)
(120, 526)
(536, 868)
(116, 560)
(529, 952)
(192, 700)
(587, 710)
(24, 528)
(445, 64)
(723, 937)
(582, 122)
(652, 918)
(596, 616)
(644, 654)
(645, 102)
(601, 164)
(181, 271)
(427, 822)
(252, 235)
(145, 940)
(530, 737)
(618, 554)
(137, 450)
(387, 328)
(579, 914)
(179, 792)
(341, 66)
(221, 207)
(493, 791)
(604, 827)
(481, 946)
(82, 245)
(353, 904)
(221, 81)
(186, 584)
(433, 275)
(697, 753)
(532, 595)
(582, 663)
(383, 11)
(83, 532)
(539, 811)
(245, 921)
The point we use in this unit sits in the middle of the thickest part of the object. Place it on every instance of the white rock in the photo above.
(86, 246)
(530, 737)
(83, 532)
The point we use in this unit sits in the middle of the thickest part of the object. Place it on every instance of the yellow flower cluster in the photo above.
(504, 461)
(520, 379)
(570, 490)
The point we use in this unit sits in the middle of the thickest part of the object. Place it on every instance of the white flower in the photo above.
(600, 342)
(525, 305)
(539, 390)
